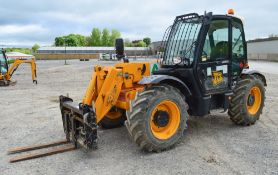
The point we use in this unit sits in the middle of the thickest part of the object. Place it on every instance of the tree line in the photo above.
(98, 38)
(32, 50)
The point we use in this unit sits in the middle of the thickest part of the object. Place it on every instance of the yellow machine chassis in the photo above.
(114, 86)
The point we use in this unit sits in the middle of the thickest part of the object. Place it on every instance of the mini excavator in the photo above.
(6, 70)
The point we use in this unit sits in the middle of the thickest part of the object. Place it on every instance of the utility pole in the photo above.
(65, 50)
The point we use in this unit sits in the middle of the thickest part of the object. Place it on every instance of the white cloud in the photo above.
(23, 35)
(41, 21)
(20, 29)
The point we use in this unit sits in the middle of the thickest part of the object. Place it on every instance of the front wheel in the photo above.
(157, 118)
(114, 119)
(248, 101)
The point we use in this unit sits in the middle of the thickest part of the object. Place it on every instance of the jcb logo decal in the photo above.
(217, 78)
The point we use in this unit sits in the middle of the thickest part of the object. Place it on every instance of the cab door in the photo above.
(213, 66)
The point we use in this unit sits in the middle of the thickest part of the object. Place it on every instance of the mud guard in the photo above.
(170, 80)
(254, 72)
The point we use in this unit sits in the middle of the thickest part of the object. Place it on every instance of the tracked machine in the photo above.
(7, 71)
(203, 67)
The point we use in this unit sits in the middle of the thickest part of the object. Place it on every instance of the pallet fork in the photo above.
(68, 146)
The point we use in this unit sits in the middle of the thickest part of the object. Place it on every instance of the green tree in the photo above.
(35, 48)
(96, 37)
(81, 40)
(105, 37)
(128, 43)
(71, 40)
(59, 41)
(22, 50)
(114, 34)
(139, 43)
(88, 41)
(147, 40)
(74, 40)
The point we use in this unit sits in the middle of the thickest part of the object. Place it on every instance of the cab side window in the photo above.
(206, 50)
(217, 41)
(2, 59)
(3, 68)
(237, 41)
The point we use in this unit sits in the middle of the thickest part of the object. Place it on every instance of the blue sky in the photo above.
(40, 21)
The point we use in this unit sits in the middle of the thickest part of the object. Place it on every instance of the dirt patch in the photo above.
(54, 99)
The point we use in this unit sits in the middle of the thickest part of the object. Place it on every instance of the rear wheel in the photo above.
(248, 101)
(115, 118)
(157, 118)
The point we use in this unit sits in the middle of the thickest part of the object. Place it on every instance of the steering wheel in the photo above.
(185, 60)
(204, 53)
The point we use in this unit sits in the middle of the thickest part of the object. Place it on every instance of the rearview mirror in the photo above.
(119, 45)
(120, 52)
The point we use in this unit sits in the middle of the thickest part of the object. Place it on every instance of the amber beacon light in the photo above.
(231, 11)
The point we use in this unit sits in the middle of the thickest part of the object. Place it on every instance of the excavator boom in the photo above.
(17, 62)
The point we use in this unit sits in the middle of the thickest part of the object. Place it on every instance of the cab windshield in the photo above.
(179, 46)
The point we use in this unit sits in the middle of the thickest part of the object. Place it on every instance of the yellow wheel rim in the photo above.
(254, 100)
(167, 131)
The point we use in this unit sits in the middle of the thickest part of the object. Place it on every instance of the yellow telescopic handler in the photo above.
(203, 67)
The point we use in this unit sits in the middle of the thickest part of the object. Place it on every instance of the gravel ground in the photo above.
(211, 145)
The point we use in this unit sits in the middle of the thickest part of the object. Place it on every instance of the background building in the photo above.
(258, 49)
(263, 49)
(87, 52)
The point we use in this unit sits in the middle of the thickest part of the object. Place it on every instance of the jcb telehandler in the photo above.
(204, 67)
(6, 70)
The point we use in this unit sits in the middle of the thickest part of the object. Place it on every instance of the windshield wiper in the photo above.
(237, 41)
(184, 57)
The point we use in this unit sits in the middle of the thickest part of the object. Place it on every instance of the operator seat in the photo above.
(220, 50)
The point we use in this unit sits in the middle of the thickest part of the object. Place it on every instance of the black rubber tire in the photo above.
(108, 123)
(238, 107)
(138, 117)
(2, 83)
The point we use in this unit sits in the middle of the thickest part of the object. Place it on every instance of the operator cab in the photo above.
(3, 63)
(208, 53)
